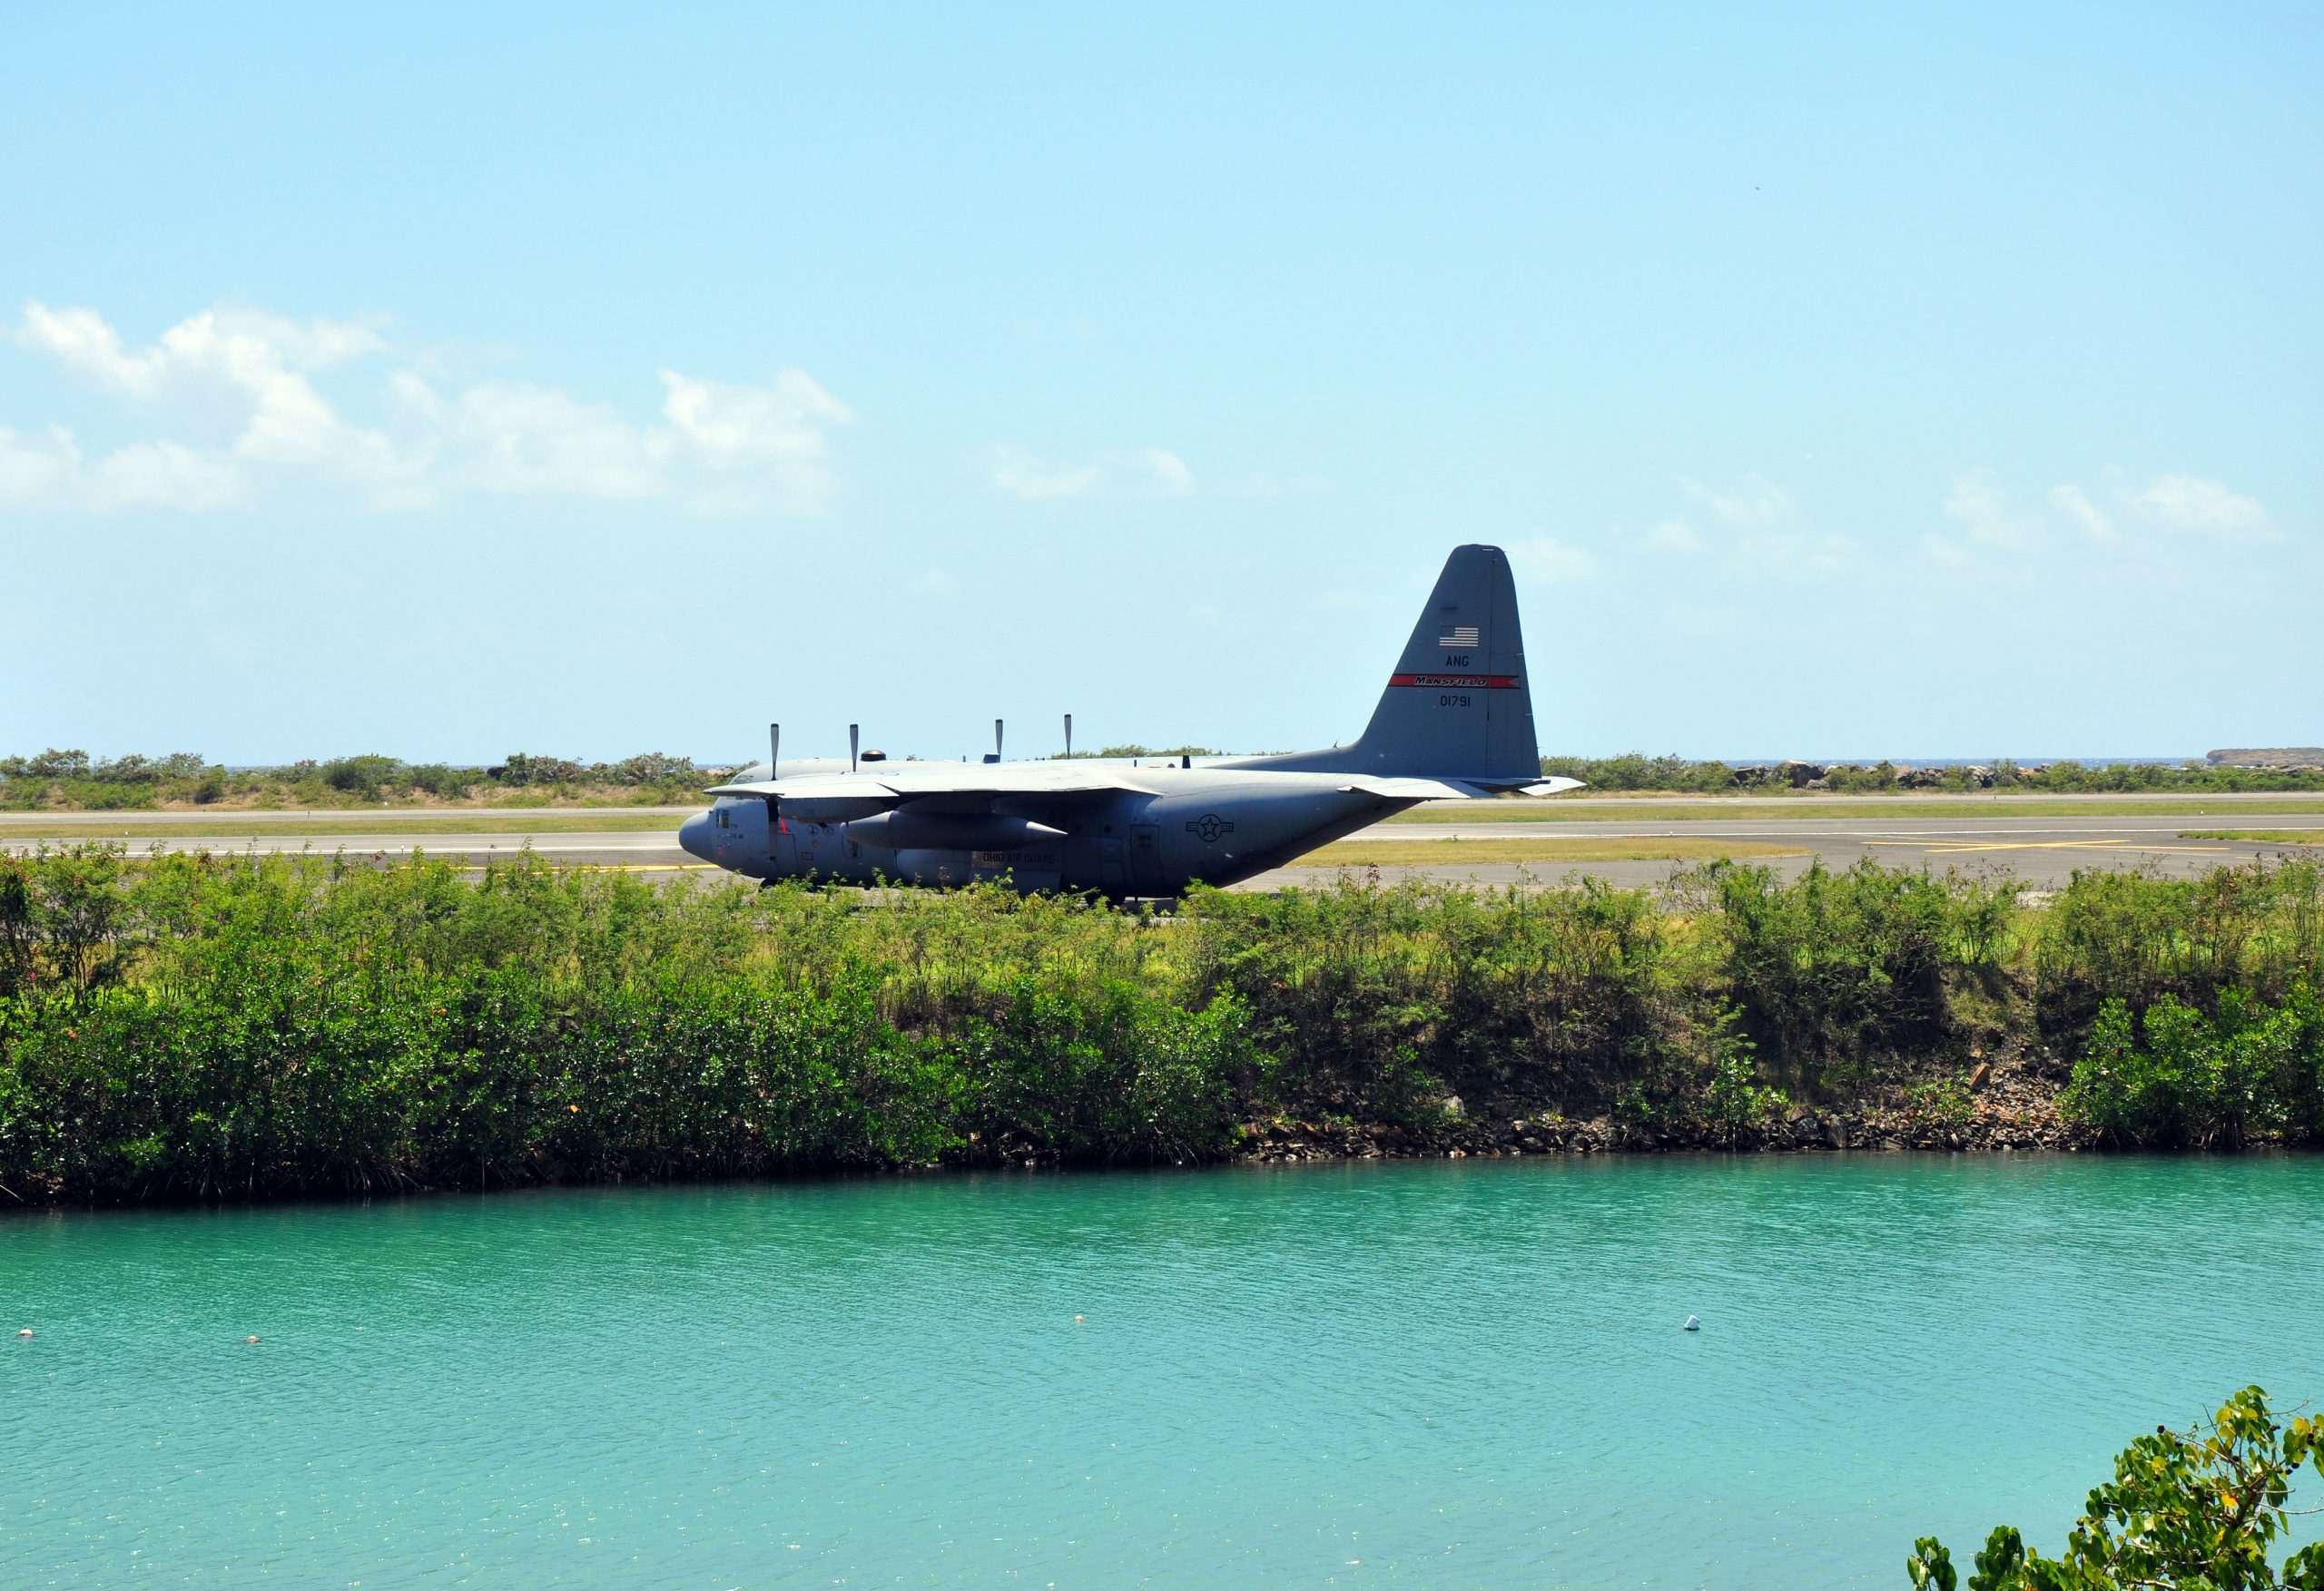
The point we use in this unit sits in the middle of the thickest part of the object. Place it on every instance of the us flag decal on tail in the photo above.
(1459, 635)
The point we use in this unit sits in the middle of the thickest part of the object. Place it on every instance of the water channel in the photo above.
(1466, 1373)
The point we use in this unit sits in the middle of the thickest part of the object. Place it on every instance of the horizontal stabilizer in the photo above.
(1415, 789)
(1440, 790)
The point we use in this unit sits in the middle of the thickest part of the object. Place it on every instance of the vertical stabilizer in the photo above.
(1458, 706)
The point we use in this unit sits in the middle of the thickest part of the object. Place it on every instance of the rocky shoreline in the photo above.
(2012, 1107)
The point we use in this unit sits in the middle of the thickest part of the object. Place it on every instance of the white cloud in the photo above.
(227, 373)
(1989, 516)
(306, 345)
(1994, 528)
(165, 474)
(2070, 504)
(1753, 503)
(81, 342)
(236, 388)
(2206, 507)
(531, 441)
(1751, 529)
(1015, 470)
(730, 424)
(36, 472)
(1162, 470)
(1146, 471)
(51, 473)
(1673, 536)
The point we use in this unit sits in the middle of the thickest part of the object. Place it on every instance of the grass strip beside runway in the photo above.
(1804, 808)
(1452, 853)
(103, 826)
(2260, 836)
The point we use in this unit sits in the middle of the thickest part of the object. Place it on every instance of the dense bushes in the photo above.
(2180, 1075)
(2136, 937)
(1361, 993)
(195, 1026)
(1839, 966)
(2200, 1508)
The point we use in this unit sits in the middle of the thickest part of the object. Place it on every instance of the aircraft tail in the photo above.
(1458, 706)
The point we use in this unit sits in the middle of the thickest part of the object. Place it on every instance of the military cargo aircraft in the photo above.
(1455, 723)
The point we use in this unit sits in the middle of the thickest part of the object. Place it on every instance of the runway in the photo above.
(2041, 851)
(635, 838)
(2040, 847)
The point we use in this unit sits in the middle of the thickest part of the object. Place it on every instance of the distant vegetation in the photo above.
(207, 1026)
(2269, 756)
(1636, 771)
(1133, 749)
(69, 780)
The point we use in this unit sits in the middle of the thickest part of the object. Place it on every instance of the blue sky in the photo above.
(1844, 381)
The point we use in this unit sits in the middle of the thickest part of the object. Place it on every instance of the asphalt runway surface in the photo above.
(2039, 849)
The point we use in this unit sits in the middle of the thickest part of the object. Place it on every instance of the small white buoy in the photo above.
(1692, 1324)
(25, 1332)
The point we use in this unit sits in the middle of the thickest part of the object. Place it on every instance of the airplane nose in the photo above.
(694, 835)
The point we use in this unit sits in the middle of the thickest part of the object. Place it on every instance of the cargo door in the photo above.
(1146, 859)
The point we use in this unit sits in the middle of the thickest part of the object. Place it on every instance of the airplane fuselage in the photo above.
(1215, 826)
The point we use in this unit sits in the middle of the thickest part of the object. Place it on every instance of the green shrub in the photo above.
(2137, 937)
(1558, 994)
(1941, 1102)
(200, 1026)
(1836, 966)
(2198, 1509)
(1734, 1101)
(1122, 1076)
(2179, 1075)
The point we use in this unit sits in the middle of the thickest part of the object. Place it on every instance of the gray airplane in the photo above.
(1456, 722)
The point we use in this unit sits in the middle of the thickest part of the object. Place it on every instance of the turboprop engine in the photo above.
(909, 830)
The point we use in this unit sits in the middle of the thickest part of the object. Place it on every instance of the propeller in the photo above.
(852, 736)
(1069, 737)
(774, 750)
(996, 740)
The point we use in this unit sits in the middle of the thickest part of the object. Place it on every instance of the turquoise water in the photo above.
(1462, 1374)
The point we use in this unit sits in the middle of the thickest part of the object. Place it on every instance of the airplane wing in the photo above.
(933, 787)
(824, 799)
